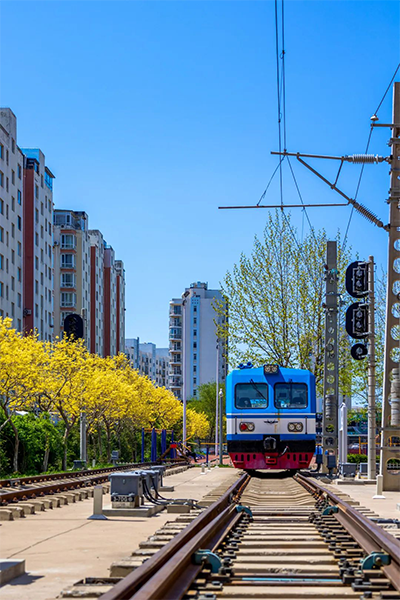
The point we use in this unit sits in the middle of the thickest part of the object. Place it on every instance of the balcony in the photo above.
(175, 322)
(175, 381)
(175, 334)
(175, 361)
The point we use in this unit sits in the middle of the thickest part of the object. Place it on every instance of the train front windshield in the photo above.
(251, 396)
(291, 395)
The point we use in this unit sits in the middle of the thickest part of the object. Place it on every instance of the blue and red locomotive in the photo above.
(270, 414)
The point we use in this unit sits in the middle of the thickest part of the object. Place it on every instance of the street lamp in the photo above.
(221, 395)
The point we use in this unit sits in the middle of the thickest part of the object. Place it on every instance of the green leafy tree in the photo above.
(206, 403)
(275, 300)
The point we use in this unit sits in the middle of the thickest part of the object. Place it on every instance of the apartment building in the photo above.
(96, 292)
(120, 306)
(38, 245)
(11, 220)
(193, 343)
(110, 302)
(71, 269)
(149, 360)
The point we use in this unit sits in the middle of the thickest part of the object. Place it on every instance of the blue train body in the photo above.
(270, 414)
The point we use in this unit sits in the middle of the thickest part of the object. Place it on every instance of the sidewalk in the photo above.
(61, 546)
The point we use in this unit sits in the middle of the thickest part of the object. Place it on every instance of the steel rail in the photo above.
(178, 551)
(367, 534)
(5, 483)
(84, 479)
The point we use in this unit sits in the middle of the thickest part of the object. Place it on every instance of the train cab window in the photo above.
(291, 395)
(251, 395)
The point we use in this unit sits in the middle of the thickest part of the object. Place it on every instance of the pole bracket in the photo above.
(206, 556)
(375, 559)
(245, 509)
(330, 510)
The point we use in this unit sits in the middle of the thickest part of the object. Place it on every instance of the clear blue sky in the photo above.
(151, 114)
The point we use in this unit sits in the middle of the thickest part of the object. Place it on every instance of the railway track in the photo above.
(38, 486)
(269, 538)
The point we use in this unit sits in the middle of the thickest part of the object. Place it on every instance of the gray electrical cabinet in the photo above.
(127, 488)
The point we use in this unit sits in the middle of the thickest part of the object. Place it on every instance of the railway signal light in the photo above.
(359, 351)
(357, 279)
(357, 320)
(73, 326)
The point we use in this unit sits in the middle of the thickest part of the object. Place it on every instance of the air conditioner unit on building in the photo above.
(83, 313)
(56, 243)
(27, 312)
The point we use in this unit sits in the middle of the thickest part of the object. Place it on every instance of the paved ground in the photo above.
(61, 546)
(364, 493)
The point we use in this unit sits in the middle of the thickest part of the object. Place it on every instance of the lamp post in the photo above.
(216, 402)
(221, 395)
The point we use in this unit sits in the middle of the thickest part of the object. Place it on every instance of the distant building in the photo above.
(148, 360)
(11, 220)
(71, 269)
(96, 292)
(38, 245)
(193, 341)
(88, 281)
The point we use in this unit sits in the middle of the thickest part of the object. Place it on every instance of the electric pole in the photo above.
(371, 372)
(390, 414)
(331, 358)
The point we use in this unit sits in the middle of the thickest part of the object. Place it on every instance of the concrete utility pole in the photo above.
(221, 452)
(371, 372)
(217, 402)
(390, 412)
(331, 359)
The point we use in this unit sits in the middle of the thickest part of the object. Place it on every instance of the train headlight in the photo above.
(246, 426)
(295, 427)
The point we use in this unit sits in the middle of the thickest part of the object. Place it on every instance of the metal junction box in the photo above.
(128, 484)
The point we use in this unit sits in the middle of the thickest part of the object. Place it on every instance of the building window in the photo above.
(41, 278)
(12, 230)
(37, 239)
(194, 344)
(36, 286)
(68, 280)
(68, 299)
(2, 151)
(36, 191)
(12, 284)
(1, 289)
(12, 203)
(13, 257)
(36, 215)
(19, 301)
(1, 207)
(13, 145)
(195, 332)
(19, 274)
(1, 261)
(19, 248)
(41, 208)
(12, 176)
(195, 309)
(36, 310)
(41, 232)
(19, 196)
(19, 171)
(68, 242)
(1, 178)
(19, 223)
(36, 263)
(41, 180)
(7, 184)
(68, 261)
(48, 181)
(194, 380)
(195, 356)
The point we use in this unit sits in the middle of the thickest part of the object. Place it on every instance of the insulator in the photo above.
(365, 212)
(364, 158)
(395, 412)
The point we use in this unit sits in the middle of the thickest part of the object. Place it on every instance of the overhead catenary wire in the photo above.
(366, 151)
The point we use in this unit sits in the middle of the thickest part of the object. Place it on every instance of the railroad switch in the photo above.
(245, 509)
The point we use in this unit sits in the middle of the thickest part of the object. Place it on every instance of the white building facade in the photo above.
(193, 341)
(11, 220)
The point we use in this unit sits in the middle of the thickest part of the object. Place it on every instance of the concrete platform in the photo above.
(10, 569)
(62, 546)
(385, 508)
(147, 510)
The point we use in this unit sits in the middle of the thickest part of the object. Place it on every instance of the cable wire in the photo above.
(366, 152)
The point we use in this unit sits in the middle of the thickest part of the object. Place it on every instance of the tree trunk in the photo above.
(65, 440)
(108, 443)
(16, 447)
(100, 442)
(46, 455)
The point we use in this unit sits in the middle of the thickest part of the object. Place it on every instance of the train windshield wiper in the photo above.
(257, 390)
